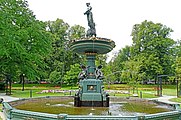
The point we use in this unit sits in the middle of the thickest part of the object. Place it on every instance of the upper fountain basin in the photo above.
(92, 45)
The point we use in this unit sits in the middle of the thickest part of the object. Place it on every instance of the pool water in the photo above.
(65, 105)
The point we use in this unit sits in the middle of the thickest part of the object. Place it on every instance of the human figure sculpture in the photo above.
(91, 31)
(83, 74)
(1, 100)
(98, 72)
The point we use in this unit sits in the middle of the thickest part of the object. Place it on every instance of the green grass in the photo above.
(38, 88)
(176, 100)
(0, 107)
(148, 91)
(36, 93)
(0, 110)
(171, 92)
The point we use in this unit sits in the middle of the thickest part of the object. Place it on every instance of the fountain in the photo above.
(91, 92)
(91, 101)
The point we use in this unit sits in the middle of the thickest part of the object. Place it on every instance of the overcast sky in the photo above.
(114, 19)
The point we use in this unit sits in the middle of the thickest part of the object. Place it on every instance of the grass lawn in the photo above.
(176, 100)
(148, 91)
(36, 90)
(36, 93)
(0, 110)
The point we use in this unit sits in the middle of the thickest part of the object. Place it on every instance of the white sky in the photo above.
(114, 19)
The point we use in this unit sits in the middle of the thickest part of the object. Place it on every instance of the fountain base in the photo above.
(91, 94)
(78, 103)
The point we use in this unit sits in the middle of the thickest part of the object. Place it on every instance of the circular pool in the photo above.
(65, 105)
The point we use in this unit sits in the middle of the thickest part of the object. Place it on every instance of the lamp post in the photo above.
(23, 81)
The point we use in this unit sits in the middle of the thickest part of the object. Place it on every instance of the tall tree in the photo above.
(178, 66)
(71, 77)
(178, 74)
(24, 41)
(152, 40)
(132, 71)
(62, 58)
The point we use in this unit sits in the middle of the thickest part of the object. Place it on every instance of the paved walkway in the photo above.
(165, 99)
(6, 98)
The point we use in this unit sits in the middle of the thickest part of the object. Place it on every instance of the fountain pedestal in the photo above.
(91, 90)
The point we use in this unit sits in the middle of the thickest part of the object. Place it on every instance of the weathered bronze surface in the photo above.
(92, 30)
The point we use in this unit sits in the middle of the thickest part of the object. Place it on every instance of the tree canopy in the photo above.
(61, 58)
(151, 53)
(24, 41)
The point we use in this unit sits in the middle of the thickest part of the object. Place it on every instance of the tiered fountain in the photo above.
(91, 92)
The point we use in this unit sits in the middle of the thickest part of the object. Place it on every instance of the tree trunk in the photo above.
(22, 79)
(8, 84)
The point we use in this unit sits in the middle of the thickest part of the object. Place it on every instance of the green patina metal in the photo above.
(93, 44)
(14, 114)
(91, 92)
(91, 64)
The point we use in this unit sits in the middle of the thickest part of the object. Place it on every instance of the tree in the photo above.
(178, 66)
(59, 31)
(71, 77)
(62, 58)
(24, 41)
(119, 60)
(55, 77)
(132, 71)
(152, 40)
(76, 32)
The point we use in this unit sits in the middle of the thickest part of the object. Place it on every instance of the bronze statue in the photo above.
(91, 31)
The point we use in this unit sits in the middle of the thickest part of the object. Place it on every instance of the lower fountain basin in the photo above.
(64, 105)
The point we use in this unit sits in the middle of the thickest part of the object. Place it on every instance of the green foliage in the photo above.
(123, 55)
(24, 41)
(76, 32)
(71, 77)
(151, 53)
(119, 61)
(176, 100)
(109, 73)
(178, 68)
(153, 39)
(62, 58)
(55, 77)
(132, 72)
(178, 61)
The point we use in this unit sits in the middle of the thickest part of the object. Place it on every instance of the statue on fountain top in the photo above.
(92, 30)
